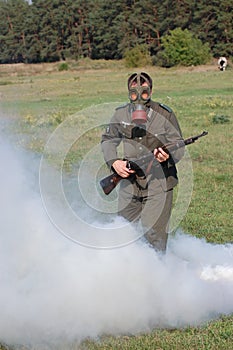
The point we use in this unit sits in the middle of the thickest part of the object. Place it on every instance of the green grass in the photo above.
(37, 98)
(214, 336)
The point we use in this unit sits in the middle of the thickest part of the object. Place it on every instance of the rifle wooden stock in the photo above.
(111, 181)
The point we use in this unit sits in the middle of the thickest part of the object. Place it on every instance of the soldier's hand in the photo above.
(160, 155)
(120, 167)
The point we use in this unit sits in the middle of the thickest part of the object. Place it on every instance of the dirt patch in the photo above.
(22, 69)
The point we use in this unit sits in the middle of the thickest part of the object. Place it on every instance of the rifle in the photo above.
(111, 181)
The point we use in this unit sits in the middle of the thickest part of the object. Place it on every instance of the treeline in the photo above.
(53, 30)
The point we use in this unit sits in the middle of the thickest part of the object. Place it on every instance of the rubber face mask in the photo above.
(139, 95)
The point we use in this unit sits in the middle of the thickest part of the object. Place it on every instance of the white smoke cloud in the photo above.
(53, 290)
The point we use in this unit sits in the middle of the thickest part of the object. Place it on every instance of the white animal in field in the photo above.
(222, 63)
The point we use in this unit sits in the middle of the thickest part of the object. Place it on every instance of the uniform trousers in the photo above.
(151, 206)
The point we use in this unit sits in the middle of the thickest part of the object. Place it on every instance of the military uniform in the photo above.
(145, 196)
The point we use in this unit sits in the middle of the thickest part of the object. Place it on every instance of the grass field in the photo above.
(35, 99)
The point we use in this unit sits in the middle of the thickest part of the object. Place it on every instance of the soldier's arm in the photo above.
(111, 138)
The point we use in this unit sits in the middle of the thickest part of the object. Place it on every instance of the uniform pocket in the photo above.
(126, 129)
(156, 139)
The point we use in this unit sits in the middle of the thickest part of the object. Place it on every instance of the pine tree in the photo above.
(213, 22)
(12, 30)
(59, 29)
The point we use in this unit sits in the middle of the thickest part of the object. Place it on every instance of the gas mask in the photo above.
(139, 95)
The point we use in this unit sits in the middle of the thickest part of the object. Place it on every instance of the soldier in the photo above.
(143, 126)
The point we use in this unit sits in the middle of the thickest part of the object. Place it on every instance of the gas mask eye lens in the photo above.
(145, 94)
(133, 95)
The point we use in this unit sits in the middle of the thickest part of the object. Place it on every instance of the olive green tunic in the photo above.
(149, 197)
